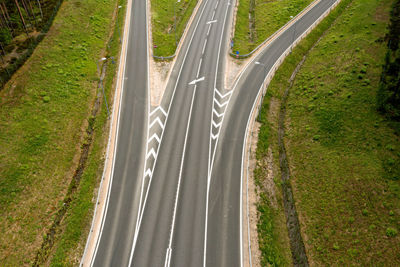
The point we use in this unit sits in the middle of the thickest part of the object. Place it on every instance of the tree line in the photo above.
(27, 19)
(388, 97)
(24, 16)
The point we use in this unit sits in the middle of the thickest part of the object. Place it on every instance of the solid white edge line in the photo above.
(162, 135)
(121, 70)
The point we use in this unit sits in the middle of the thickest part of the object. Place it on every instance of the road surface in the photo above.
(175, 198)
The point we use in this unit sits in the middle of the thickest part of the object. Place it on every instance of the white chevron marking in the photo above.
(216, 125)
(159, 122)
(152, 152)
(222, 95)
(148, 173)
(158, 108)
(219, 115)
(214, 136)
(154, 136)
(219, 104)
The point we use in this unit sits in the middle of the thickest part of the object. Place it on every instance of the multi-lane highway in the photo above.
(175, 195)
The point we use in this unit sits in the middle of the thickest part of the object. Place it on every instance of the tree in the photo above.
(388, 96)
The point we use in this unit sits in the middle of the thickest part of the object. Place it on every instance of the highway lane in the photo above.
(114, 245)
(223, 245)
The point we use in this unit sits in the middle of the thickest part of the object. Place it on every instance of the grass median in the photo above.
(339, 146)
(256, 20)
(169, 19)
(45, 109)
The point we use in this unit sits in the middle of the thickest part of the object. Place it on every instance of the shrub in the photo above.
(391, 232)
(5, 36)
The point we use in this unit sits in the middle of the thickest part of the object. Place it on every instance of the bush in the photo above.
(391, 232)
(5, 37)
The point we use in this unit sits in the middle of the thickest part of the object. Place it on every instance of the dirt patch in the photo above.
(159, 72)
(233, 67)
(381, 14)
(269, 184)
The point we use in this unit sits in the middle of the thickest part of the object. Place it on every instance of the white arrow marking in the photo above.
(219, 104)
(159, 122)
(158, 108)
(148, 173)
(211, 21)
(216, 125)
(154, 136)
(221, 95)
(196, 81)
(219, 115)
(152, 152)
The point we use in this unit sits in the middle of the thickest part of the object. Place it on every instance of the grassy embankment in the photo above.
(76, 225)
(45, 109)
(266, 18)
(341, 150)
(163, 24)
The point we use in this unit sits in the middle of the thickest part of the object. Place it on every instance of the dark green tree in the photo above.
(388, 96)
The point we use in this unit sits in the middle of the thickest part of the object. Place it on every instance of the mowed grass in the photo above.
(43, 114)
(343, 154)
(269, 17)
(163, 12)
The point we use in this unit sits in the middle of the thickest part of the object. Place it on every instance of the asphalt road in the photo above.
(175, 195)
(114, 246)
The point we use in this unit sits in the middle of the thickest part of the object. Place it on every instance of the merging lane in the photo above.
(223, 245)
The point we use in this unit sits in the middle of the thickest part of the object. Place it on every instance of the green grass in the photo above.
(271, 226)
(41, 120)
(163, 22)
(77, 221)
(269, 17)
(343, 154)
